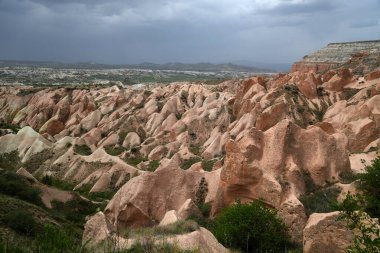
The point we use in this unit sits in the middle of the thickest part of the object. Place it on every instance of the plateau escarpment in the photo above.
(337, 54)
(165, 152)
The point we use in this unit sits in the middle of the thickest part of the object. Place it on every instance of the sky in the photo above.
(160, 31)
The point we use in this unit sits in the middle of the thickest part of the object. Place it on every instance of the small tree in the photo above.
(366, 230)
(358, 209)
(251, 228)
(369, 184)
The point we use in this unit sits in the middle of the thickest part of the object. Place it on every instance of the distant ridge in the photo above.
(201, 67)
(336, 54)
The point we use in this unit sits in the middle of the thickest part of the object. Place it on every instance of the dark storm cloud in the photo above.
(302, 7)
(120, 31)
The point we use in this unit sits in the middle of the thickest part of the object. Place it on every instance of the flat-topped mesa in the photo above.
(335, 55)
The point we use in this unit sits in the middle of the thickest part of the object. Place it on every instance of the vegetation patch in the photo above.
(135, 160)
(21, 221)
(153, 165)
(251, 228)
(349, 93)
(320, 201)
(10, 161)
(82, 150)
(18, 186)
(189, 162)
(24, 92)
(114, 151)
(37, 160)
(360, 210)
(196, 149)
(207, 165)
(14, 128)
(369, 184)
(310, 186)
(347, 177)
(75, 210)
(177, 228)
(57, 183)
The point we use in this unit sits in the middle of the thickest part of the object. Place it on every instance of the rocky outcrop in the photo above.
(275, 166)
(97, 229)
(150, 196)
(323, 233)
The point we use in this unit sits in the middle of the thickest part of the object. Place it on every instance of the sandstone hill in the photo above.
(166, 150)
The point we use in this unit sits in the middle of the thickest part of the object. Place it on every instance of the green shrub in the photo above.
(310, 186)
(75, 210)
(367, 232)
(135, 160)
(10, 161)
(251, 228)
(349, 93)
(153, 165)
(196, 149)
(18, 186)
(320, 201)
(7, 246)
(22, 222)
(114, 151)
(187, 163)
(207, 165)
(369, 184)
(14, 128)
(360, 209)
(55, 239)
(347, 177)
(36, 160)
(82, 150)
(57, 183)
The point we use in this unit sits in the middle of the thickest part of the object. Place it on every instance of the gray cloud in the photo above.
(117, 31)
(362, 23)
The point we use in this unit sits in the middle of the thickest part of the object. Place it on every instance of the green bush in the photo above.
(22, 222)
(55, 239)
(14, 128)
(153, 165)
(15, 185)
(360, 209)
(207, 165)
(57, 183)
(75, 210)
(320, 201)
(7, 246)
(114, 151)
(187, 163)
(10, 161)
(367, 232)
(369, 184)
(251, 228)
(82, 150)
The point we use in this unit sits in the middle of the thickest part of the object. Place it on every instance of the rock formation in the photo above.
(165, 150)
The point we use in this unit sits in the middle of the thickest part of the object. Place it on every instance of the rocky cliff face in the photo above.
(173, 147)
(337, 54)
